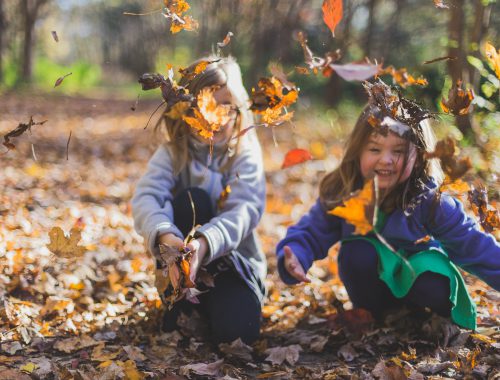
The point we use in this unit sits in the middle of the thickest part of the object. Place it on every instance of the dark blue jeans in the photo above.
(231, 308)
(358, 270)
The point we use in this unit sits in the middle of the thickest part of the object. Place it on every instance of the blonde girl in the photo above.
(226, 244)
(389, 141)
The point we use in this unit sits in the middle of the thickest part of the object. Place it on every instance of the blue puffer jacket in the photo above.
(450, 228)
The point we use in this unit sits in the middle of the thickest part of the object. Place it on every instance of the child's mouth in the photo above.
(384, 173)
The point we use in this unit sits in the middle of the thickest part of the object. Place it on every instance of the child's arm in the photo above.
(309, 240)
(472, 249)
(151, 203)
(244, 206)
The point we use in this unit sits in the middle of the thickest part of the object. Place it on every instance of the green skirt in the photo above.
(400, 272)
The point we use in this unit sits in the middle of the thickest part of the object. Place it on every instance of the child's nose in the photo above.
(387, 158)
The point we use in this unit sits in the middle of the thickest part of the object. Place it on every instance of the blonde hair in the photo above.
(220, 72)
(347, 178)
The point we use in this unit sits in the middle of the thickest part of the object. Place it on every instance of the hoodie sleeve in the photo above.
(151, 204)
(244, 206)
(466, 244)
(310, 239)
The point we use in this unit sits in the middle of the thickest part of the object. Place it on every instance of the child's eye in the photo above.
(375, 150)
(400, 151)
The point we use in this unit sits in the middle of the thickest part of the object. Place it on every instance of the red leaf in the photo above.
(296, 156)
(332, 13)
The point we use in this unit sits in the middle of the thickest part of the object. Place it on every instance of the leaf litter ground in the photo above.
(97, 316)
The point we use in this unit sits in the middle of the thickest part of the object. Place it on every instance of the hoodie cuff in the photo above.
(160, 229)
(215, 241)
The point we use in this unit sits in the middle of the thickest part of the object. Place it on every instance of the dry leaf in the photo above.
(358, 71)
(210, 369)
(493, 57)
(226, 40)
(173, 11)
(63, 246)
(440, 4)
(459, 100)
(356, 208)
(60, 79)
(18, 131)
(332, 13)
(315, 63)
(403, 78)
(278, 355)
(295, 157)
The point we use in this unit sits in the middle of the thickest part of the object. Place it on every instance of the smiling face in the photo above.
(384, 156)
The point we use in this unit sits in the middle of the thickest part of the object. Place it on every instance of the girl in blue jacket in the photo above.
(390, 141)
(226, 244)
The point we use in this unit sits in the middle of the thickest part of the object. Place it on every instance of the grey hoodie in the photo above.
(232, 231)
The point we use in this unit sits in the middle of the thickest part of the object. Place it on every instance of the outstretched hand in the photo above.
(293, 266)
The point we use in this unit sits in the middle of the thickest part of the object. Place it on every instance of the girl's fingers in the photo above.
(293, 266)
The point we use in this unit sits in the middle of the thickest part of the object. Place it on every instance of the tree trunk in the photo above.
(3, 29)
(482, 15)
(392, 34)
(29, 10)
(372, 5)
(456, 67)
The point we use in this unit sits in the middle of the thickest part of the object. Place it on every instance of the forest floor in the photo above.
(96, 316)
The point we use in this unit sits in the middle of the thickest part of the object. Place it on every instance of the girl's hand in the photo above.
(171, 240)
(199, 247)
(293, 266)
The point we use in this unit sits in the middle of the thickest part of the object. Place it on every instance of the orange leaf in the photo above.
(493, 57)
(295, 157)
(356, 208)
(332, 13)
(186, 270)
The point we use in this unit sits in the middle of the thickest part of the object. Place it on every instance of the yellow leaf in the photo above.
(354, 209)
(493, 57)
(30, 367)
(63, 246)
(131, 372)
(178, 110)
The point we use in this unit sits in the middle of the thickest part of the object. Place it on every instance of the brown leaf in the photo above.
(489, 217)
(63, 246)
(315, 63)
(173, 11)
(459, 100)
(332, 13)
(278, 355)
(225, 41)
(55, 36)
(403, 78)
(447, 152)
(18, 131)
(60, 79)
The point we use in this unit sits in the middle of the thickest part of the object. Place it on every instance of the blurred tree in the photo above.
(3, 28)
(30, 12)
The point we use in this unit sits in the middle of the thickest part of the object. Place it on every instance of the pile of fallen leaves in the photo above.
(96, 314)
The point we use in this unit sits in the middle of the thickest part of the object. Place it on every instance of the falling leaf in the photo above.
(448, 57)
(55, 36)
(358, 71)
(74, 344)
(191, 72)
(278, 355)
(489, 217)
(315, 63)
(493, 57)
(402, 77)
(441, 4)
(171, 92)
(209, 116)
(295, 157)
(459, 100)
(332, 13)
(173, 11)
(63, 246)
(447, 152)
(226, 40)
(457, 186)
(60, 79)
(356, 208)
(18, 131)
